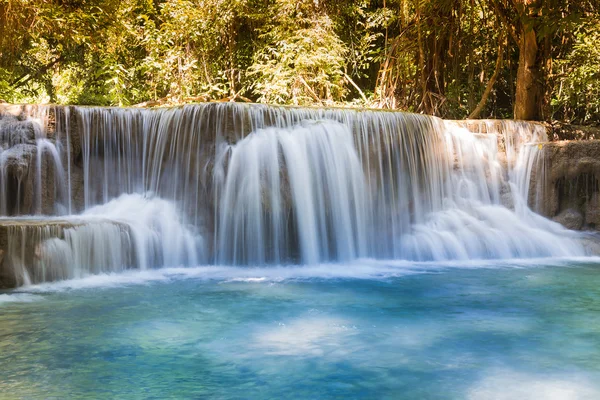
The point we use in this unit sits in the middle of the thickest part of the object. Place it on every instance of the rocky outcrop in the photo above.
(570, 219)
(570, 190)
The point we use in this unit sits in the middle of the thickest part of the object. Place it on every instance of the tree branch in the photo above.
(20, 81)
(509, 27)
(356, 87)
(492, 81)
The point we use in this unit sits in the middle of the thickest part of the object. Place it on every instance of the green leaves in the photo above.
(577, 94)
(302, 60)
(433, 56)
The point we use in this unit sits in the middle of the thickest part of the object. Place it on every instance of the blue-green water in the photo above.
(369, 330)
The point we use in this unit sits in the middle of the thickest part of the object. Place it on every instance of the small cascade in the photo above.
(252, 185)
(157, 233)
(17, 150)
(23, 250)
(25, 178)
(55, 250)
(64, 146)
(131, 231)
(487, 216)
(56, 184)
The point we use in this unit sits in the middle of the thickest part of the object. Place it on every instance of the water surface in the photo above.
(510, 330)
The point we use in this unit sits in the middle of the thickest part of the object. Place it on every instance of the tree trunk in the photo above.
(529, 92)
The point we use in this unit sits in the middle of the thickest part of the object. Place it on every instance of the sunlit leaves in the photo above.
(577, 94)
(302, 60)
(433, 56)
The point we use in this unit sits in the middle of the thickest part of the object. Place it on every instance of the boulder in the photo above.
(570, 219)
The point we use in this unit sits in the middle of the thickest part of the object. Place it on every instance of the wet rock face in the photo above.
(14, 131)
(506, 197)
(17, 155)
(571, 189)
(21, 128)
(592, 211)
(16, 160)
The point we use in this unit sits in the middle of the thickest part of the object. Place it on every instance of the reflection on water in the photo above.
(369, 330)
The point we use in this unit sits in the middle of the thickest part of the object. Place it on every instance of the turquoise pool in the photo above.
(368, 330)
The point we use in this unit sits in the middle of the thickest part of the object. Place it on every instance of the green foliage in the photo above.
(302, 60)
(428, 56)
(186, 50)
(6, 90)
(577, 98)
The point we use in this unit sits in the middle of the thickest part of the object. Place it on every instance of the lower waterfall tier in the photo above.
(132, 231)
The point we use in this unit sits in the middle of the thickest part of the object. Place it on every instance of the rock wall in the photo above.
(571, 191)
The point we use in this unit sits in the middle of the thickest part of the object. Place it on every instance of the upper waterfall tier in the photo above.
(262, 184)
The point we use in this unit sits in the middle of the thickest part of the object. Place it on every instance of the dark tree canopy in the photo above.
(528, 59)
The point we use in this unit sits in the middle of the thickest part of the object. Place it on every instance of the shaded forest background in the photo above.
(528, 59)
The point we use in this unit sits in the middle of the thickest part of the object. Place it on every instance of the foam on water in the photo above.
(305, 336)
(510, 385)
(365, 269)
(19, 298)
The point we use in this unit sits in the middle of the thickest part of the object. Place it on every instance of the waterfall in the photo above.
(132, 231)
(318, 206)
(58, 250)
(475, 222)
(185, 154)
(58, 188)
(252, 184)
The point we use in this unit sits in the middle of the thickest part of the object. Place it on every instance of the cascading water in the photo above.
(316, 211)
(52, 249)
(60, 195)
(251, 184)
(475, 222)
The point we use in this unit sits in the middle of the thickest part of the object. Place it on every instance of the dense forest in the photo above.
(527, 59)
